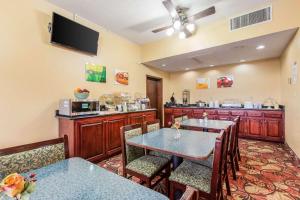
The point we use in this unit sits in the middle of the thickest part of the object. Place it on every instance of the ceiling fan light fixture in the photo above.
(182, 35)
(170, 31)
(177, 25)
(191, 27)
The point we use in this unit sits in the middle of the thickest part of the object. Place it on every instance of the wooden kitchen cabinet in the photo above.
(92, 141)
(98, 137)
(259, 124)
(136, 118)
(113, 139)
(255, 126)
(273, 128)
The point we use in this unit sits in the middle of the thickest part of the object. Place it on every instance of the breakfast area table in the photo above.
(206, 124)
(192, 145)
(78, 179)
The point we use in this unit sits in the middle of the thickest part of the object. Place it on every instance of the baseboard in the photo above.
(295, 157)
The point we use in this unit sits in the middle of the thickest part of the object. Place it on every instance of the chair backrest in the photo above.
(232, 138)
(152, 126)
(190, 194)
(130, 153)
(237, 121)
(219, 162)
(179, 118)
(22, 159)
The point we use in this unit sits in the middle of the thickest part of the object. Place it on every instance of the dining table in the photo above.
(205, 125)
(78, 179)
(192, 145)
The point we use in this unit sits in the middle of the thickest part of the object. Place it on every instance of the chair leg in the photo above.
(239, 155)
(227, 185)
(236, 163)
(168, 170)
(124, 174)
(171, 193)
(232, 167)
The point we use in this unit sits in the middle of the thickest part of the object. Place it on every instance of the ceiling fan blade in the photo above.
(204, 13)
(171, 8)
(161, 29)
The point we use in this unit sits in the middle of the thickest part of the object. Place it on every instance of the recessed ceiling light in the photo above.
(242, 60)
(211, 65)
(187, 68)
(260, 47)
(163, 65)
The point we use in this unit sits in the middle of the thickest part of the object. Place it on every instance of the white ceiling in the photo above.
(134, 19)
(232, 53)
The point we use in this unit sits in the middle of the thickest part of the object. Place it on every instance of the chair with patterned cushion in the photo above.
(22, 159)
(155, 126)
(137, 164)
(190, 194)
(179, 118)
(208, 181)
(232, 149)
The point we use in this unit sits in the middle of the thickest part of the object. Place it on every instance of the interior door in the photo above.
(155, 94)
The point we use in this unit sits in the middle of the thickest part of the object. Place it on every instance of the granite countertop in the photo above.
(229, 108)
(101, 114)
(78, 179)
(193, 145)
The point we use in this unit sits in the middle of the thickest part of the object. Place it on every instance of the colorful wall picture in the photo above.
(95, 73)
(225, 81)
(121, 77)
(202, 83)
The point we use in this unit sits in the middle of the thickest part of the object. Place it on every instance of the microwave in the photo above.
(70, 107)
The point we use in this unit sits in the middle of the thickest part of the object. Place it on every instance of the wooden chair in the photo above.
(155, 126)
(190, 194)
(136, 163)
(208, 182)
(232, 149)
(238, 119)
(179, 118)
(22, 159)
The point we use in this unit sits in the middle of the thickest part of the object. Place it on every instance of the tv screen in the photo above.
(71, 34)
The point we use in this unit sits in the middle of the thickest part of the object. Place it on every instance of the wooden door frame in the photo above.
(160, 100)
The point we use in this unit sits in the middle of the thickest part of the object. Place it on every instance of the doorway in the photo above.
(154, 91)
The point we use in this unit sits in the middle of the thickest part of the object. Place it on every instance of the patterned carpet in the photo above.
(267, 172)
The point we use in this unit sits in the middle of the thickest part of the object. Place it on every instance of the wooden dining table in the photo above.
(192, 145)
(78, 179)
(206, 124)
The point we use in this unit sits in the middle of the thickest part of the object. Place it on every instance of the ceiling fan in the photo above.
(182, 23)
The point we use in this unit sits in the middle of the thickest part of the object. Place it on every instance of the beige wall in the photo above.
(255, 81)
(35, 75)
(286, 15)
(291, 94)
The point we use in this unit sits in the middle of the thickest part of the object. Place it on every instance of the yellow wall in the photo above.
(255, 81)
(286, 15)
(35, 75)
(291, 94)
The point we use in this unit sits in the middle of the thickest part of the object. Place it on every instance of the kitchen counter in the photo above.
(224, 108)
(101, 114)
(97, 137)
(264, 124)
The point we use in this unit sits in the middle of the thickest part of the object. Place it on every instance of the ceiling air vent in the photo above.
(252, 18)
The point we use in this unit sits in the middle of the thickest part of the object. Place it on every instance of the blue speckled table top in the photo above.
(194, 145)
(77, 179)
(210, 124)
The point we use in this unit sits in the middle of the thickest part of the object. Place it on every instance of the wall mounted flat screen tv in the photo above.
(68, 33)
